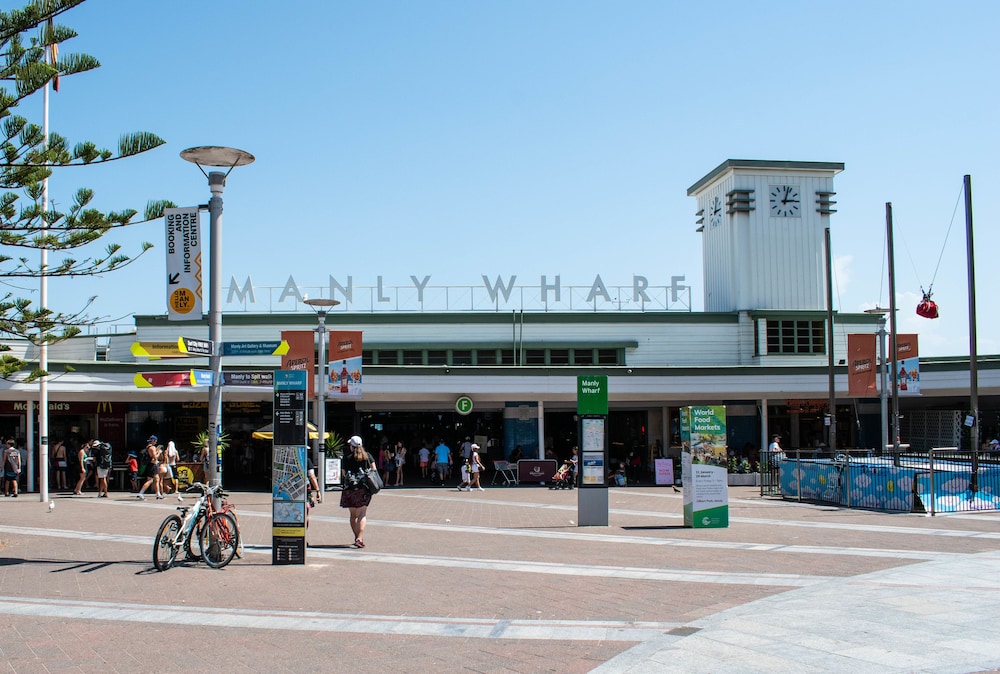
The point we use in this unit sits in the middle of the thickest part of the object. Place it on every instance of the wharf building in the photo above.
(760, 347)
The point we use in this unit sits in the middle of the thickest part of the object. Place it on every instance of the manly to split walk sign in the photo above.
(184, 288)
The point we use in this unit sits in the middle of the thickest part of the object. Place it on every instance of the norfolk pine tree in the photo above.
(29, 44)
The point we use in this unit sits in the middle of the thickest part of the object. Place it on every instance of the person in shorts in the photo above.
(11, 469)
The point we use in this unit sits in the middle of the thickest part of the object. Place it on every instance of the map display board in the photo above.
(289, 484)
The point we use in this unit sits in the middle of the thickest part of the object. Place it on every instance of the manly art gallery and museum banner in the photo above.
(862, 369)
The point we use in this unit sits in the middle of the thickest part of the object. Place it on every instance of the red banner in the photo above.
(861, 366)
(301, 355)
(345, 364)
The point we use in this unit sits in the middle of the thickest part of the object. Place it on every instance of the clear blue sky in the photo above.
(457, 138)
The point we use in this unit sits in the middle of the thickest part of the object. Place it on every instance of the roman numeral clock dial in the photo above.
(785, 201)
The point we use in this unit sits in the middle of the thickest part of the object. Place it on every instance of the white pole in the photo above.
(321, 407)
(43, 350)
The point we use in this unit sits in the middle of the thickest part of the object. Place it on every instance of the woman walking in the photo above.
(400, 462)
(355, 497)
(153, 457)
(477, 467)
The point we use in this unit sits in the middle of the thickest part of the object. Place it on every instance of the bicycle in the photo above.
(220, 533)
(215, 532)
(175, 533)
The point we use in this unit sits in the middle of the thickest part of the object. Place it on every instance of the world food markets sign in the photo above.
(183, 264)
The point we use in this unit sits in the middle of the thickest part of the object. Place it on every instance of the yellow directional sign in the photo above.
(157, 350)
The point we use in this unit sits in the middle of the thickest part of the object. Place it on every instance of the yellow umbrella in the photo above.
(267, 432)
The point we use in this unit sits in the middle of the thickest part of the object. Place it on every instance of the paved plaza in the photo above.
(505, 581)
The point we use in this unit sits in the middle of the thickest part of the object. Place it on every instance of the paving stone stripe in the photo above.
(504, 565)
(311, 621)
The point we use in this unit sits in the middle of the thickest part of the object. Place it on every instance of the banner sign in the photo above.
(907, 365)
(704, 466)
(345, 365)
(861, 366)
(592, 395)
(183, 264)
(254, 378)
(255, 349)
(300, 354)
(162, 379)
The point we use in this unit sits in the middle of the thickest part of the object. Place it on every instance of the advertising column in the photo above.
(289, 484)
(592, 409)
(704, 466)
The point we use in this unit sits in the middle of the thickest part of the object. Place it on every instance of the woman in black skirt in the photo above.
(355, 497)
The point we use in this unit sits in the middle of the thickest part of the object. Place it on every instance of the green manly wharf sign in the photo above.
(592, 394)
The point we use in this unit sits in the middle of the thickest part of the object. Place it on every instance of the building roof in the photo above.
(764, 165)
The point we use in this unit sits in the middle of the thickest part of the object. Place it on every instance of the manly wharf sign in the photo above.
(490, 295)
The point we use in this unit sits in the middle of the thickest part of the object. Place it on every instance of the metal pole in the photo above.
(892, 331)
(43, 349)
(883, 393)
(973, 352)
(217, 185)
(829, 343)
(321, 407)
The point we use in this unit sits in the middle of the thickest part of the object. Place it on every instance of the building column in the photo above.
(541, 429)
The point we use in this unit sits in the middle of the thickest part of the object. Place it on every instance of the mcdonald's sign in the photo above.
(105, 407)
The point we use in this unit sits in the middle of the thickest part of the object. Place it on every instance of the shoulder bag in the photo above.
(372, 480)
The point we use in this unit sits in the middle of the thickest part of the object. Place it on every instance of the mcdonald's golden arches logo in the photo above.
(104, 407)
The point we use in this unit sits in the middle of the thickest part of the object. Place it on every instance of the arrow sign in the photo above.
(195, 347)
(165, 379)
(255, 378)
(157, 349)
(255, 348)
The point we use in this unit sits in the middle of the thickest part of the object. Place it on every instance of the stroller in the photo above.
(563, 478)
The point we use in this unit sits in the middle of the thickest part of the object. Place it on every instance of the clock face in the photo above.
(785, 201)
(715, 211)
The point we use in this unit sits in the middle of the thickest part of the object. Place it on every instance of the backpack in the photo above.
(102, 455)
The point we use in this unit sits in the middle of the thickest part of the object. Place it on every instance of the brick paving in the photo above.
(495, 581)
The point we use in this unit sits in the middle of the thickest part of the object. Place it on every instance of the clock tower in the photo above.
(763, 225)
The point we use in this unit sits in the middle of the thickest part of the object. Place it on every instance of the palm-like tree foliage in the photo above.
(29, 37)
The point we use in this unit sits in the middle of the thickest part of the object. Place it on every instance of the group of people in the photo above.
(161, 469)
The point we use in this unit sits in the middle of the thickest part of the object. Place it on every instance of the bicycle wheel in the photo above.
(164, 549)
(219, 538)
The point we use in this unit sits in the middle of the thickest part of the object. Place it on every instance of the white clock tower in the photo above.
(763, 227)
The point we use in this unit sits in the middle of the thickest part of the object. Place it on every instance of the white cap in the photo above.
(475, 446)
(355, 441)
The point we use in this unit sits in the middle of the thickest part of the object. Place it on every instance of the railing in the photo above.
(943, 479)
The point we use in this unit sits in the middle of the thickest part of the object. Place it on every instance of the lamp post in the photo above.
(319, 449)
(883, 380)
(230, 158)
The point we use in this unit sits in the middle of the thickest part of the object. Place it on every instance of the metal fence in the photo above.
(940, 480)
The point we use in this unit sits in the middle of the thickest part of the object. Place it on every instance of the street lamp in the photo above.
(883, 383)
(230, 158)
(321, 306)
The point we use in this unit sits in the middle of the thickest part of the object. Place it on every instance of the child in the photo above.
(132, 463)
(466, 484)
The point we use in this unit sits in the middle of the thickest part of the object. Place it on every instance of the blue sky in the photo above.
(461, 138)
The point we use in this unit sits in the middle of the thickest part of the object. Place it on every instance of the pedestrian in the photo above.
(85, 463)
(466, 449)
(11, 469)
(387, 461)
(355, 496)
(774, 450)
(203, 458)
(425, 458)
(72, 460)
(574, 464)
(466, 483)
(100, 453)
(152, 469)
(315, 495)
(59, 465)
(442, 456)
(170, 458)
(132, 463)
(476, 466)
(400, 462)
